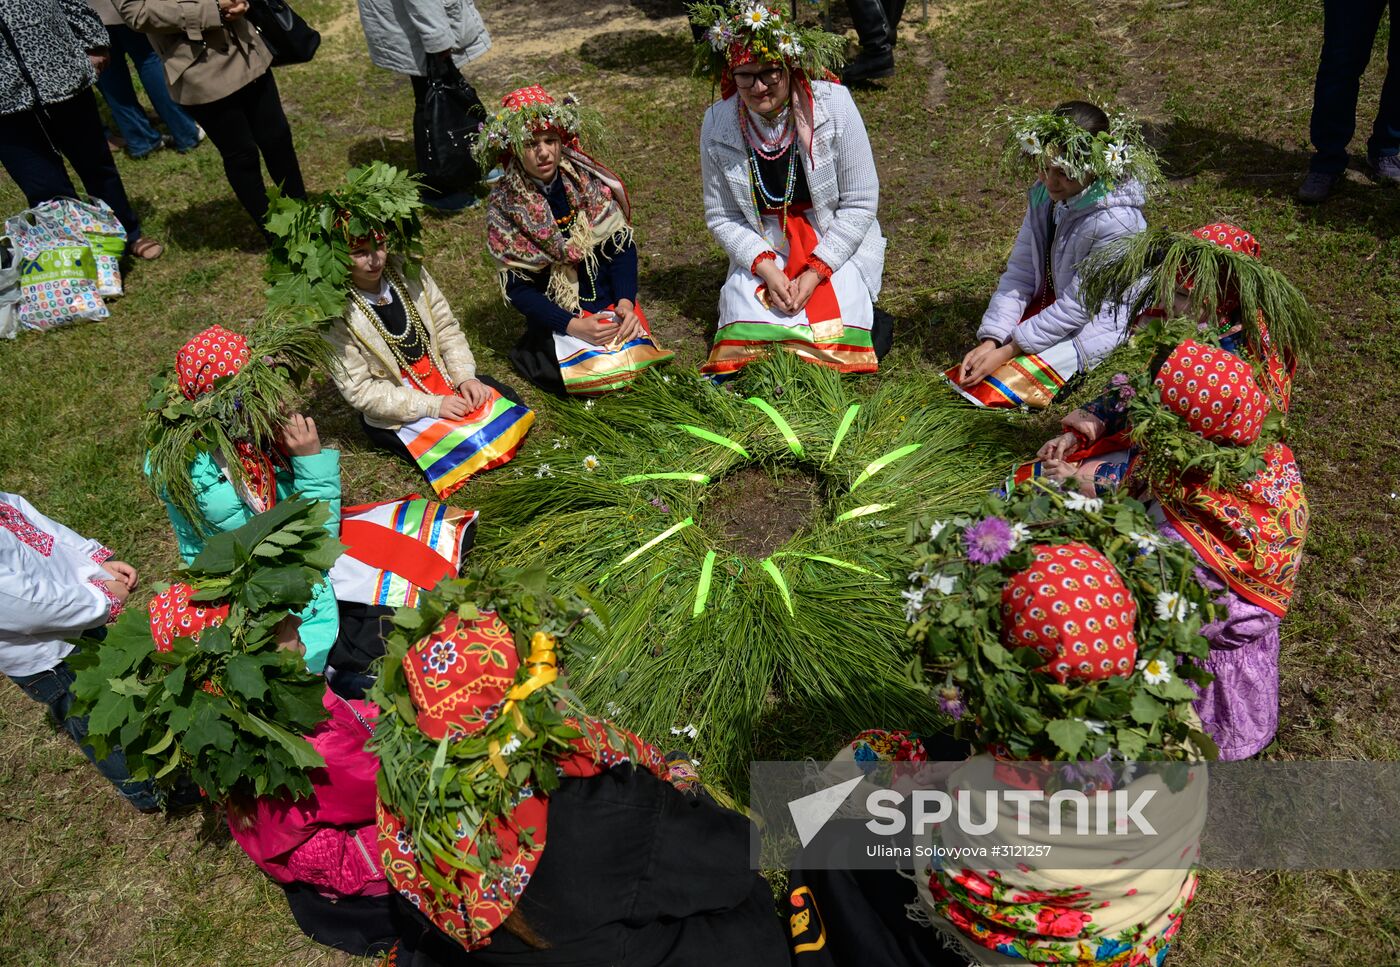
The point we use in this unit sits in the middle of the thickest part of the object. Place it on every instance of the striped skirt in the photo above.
(450, 452)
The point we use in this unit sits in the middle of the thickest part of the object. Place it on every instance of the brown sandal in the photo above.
(147, 248)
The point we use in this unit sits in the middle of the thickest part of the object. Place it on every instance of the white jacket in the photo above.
(48, 588)
(843, 181)
(366, 372)
(1082, 224)
(401, 33)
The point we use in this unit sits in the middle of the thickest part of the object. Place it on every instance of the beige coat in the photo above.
(204, 60)
(367, 374)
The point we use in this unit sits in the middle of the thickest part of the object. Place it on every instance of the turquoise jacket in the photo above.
(316, 478)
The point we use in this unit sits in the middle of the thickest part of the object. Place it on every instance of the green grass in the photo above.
(1227, 85)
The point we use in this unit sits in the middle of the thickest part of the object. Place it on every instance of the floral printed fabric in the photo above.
(1215, 392)
(1072, 607)
(174, 616)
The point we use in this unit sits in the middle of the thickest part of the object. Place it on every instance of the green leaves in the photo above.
(1068, 735)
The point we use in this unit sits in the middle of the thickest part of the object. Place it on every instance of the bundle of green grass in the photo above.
(745, 548)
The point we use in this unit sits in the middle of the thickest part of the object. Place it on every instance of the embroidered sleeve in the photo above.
(102, 555)
(818, 266)
(115, 604)
(761, 257)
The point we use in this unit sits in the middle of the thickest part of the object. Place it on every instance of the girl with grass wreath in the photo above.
(559, 226)
(1093, 174)
(791, 195)
(400, 358)
(518, 829)
(1063, 651)
(1209, 452)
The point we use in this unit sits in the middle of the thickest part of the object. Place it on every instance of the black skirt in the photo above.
(534, 358)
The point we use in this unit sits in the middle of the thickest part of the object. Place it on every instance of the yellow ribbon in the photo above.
(543, 666)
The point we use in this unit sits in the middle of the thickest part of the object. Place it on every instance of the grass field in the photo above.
(1227, 87)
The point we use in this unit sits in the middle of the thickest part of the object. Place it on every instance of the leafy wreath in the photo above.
(769, 33)
(244, 408)
(469, 782)
(1110, 157)
(997, 695)
(231, 709)
(308, 263)
(510, 130)
(709, 643)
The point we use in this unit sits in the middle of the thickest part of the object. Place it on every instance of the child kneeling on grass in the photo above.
(1094, 175)
(55, 585)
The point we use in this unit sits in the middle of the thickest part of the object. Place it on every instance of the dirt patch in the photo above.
(754, 511)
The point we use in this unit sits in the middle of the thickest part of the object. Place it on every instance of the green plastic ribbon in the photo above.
(777, 577)
(793, 444)
(863, 511)
(843, 429)
(702, 590)
(667, 533)
(700, 478)
(875, 466)
(713, 437)
(832, 561)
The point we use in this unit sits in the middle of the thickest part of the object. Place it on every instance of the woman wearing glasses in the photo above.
(790, 194)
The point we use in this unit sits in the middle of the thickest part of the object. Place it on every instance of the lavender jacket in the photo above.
(1240, 708)
(1091, 219)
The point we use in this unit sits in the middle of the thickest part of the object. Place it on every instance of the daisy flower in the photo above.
(589, 404)
(1030, 142)
(511, 746)
(1172, 606)
(1074, 500)
(755, 16)
(688, 730)
(544, 471)
(1147, 543)
(1020, 533)
(1155, 671)
(591, 462)
(1116, 157)
(942, 584)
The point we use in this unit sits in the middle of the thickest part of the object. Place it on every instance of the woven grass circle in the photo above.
(744, 625)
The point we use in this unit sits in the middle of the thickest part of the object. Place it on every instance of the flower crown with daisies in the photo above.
(1054, 138)
(514, 125)
(984, 617)
(752, 33)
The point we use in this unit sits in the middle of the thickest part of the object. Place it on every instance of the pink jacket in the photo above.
(326, 841)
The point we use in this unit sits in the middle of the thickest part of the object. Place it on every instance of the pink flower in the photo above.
(988, 541)
(1060, 921)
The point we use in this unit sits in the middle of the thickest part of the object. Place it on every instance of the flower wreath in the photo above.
(212, 693)
(308, 263)
(1170, 452)
(472, 781)
(755, 33)
(510, 129)
(1002, 697)
(1113, 156)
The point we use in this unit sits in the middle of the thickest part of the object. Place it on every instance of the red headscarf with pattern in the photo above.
(1251, 535)
(458, 678)
(212, 355)
(175, 615)
(1072, 607)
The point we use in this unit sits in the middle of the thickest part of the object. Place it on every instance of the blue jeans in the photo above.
(54, 688)
(1348, 34)
(115, 85)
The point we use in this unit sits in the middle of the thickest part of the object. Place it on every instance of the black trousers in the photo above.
(247, 124)
(34, 143)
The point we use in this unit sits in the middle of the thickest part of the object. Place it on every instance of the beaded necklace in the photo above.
(758, 188)
(415, 325)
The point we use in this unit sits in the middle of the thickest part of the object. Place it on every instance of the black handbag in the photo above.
(290, 39)
(452, 114)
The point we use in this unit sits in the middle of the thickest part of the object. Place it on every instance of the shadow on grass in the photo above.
(644, 53)
(218, 224)
(692, 288)
(395, 151)
(939, 329)
(1268, 170)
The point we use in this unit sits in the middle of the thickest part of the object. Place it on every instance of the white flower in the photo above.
(1030, 142)
(1093, 725)
(613, 709)
(665, 379)
(1172, 606)
(1020, 533)
(558, 445)
(715, 35)
(544, 471)
(755, 16)
(591, 462)
(1147, 543)
(695, 763)
(1074, 500)
(1155, 671)
(511, 746)
(589, 404)
(936, 529)
(913, 602)
(688, 730)
(942, 584)
(1116, 157)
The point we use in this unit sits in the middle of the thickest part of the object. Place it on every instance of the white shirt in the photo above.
(49, 588)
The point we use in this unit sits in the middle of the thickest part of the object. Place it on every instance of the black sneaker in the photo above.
(869, 65)
(1316, 187)
(1385, 167)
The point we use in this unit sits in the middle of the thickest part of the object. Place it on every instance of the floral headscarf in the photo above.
(174, 615)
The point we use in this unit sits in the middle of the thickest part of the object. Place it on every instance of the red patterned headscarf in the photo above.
(1215, 392)
(459, 678)
(174, 615)
(212, 355)
(1072, 607)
